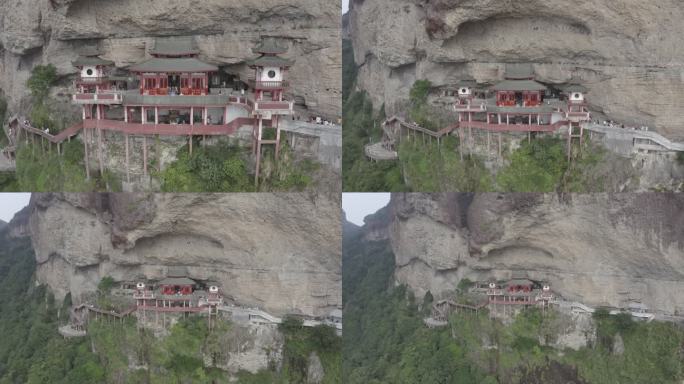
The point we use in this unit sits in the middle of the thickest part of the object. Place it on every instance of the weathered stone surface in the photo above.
(598, 249)
(56, 31)
(315, 372)
(626, 54)
(281, 252)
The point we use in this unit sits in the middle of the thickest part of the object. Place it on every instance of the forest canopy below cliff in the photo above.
(33, 352)
(386, 340)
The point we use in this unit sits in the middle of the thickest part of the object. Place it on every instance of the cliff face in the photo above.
(56, 31)
(280, 252)
(599, 249)
(19, 225)
(626, 53)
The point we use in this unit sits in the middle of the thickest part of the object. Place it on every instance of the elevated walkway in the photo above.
(69, 331)
(378, 152)
(258, 316)
(396, 129)
(627, 140)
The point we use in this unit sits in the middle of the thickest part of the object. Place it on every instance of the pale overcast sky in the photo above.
(11, 203)
(359, 205)
(345, 6)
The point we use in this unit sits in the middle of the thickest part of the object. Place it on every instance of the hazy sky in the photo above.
(359, 205)
(11, 203)
(345, 6)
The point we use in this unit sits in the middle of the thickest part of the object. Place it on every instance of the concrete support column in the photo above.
(192, 116)
(205, 114)
(156, 115)
(125, 114)
(143, 115)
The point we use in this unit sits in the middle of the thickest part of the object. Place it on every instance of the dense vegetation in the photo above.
(539, 165)
(33, 352)
(41, 169)
(222, 168)
(386, 342)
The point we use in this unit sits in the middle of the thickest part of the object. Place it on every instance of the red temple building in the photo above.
(519, 292)
(519, 104)
(177, 293)
(174, 93)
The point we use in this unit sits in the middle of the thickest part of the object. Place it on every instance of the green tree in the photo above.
(42, 78)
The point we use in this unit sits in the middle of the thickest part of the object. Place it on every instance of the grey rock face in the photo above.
(598, 249)
(56, 31)
(281, 252)
(626, 53)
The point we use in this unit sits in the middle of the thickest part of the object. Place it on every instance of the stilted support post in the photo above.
(258, 152)
(128, 173)
(277, 145)
(499, 144)
(85, 149)
(145, 155)
(99, 151)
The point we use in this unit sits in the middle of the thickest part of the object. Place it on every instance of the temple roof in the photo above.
(177, 281)
(520, 282)
(270, 61)
(83, 61)
(519, 71)
(269, 46)
(186, 64)
(467, 83)
(519, 85)
(575, 88)
(174, 46)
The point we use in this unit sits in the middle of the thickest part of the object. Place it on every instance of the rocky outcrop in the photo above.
(625, 54)
(57, 31)
(19, 225)
(599, 249)
(280, 252)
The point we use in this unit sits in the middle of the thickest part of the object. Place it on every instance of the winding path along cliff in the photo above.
(627, 53)
(280, 252)
(598, 249)
(57, 31)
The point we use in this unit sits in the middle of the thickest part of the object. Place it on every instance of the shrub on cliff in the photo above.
(43, 77)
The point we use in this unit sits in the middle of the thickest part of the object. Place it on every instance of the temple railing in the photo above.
(103, 97)
(280, 107)
(267, 84)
